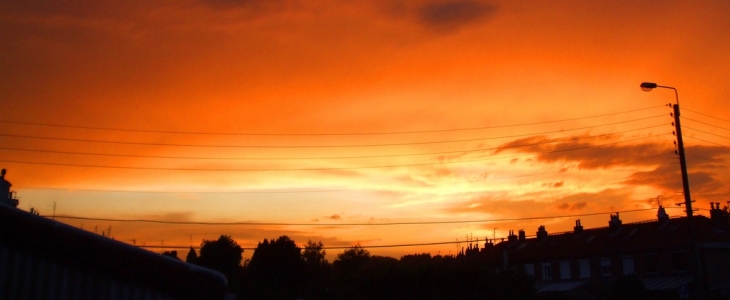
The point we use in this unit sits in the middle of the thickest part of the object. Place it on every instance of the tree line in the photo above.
(279, 269)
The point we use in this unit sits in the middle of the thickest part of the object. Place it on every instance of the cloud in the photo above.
(508, 206)
(452, 15)
(553, 184)
(248, 4)
(590, 152)
(573, 206)
(335, 217)
(706, 171)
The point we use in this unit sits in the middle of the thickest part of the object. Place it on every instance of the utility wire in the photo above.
(317, 191)
(341, 224)
(293, 169)
(710, 133)
(708, 124)
(706, 141)
(322, 158)
(312, 146)
(318, 134)
(706, 115)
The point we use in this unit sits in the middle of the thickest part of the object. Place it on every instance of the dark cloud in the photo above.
(451, 15)
(553, 184)
(335, 217)
(251, 4)
(525, 206)
(573, 206)
(589, 152)
(707, 172)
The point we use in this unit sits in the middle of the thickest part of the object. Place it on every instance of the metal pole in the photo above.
(688, 201)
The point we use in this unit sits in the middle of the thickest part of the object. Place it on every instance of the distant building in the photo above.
(657, 252)
(44, 259)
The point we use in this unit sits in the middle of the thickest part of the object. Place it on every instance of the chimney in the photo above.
(488, 244)
(578, 229)
(542, 233)
(662, 215)
(615, 222)
(6, 197)
(718, 216)
(512, 237)
(522, 234)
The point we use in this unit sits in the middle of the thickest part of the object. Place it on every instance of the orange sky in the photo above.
(255, 71)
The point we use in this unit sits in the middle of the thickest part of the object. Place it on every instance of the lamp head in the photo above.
(648, 86)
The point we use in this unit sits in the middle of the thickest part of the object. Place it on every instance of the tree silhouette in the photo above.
(317, 268)
(223, 255)
(276, 269)
(192, 256)
(351, 260)
(347, 271)
(314, 254)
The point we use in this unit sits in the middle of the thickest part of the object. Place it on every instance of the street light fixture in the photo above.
(647, 87)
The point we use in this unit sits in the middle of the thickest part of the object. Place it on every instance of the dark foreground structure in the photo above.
(44, 259)
(656, 254)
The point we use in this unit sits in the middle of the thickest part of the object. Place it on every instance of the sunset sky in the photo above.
(337, 117)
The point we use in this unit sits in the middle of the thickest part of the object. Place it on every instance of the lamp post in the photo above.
(647, 87)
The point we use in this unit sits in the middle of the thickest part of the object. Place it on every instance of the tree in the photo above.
(276, 269)
(314, 254)
(351, 260)
(223, 255)
(192, 256)
(317, 268)
(347, 270)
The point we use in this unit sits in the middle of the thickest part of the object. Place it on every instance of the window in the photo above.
(679, 262)
(628, 263)
(547, 271)
(585, 268)
(652, 263)
(565, 269)
(530, 269)
(606, 266)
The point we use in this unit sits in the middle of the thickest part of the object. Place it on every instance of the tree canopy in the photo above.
(223, 255)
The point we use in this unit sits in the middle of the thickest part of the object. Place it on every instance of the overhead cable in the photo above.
(319, 134)
(310, 146)
(292, 169)
(558, 140)
(340, 224)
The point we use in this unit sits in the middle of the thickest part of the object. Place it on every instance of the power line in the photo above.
(324, 248)
(710, 133)
(307, 191)
(292, 169)
(706, 115)
(316, 191)
(342, 224)
(322, 158)
(318, 134)
(708, 124)
(706, 141)
(312, 146)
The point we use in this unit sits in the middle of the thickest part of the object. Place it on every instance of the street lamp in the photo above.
(647, 87)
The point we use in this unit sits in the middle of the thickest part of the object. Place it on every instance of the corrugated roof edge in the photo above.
(81, 247)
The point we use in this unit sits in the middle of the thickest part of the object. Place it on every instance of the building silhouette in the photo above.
(6, 196)
(44, 259)
(657, 252)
